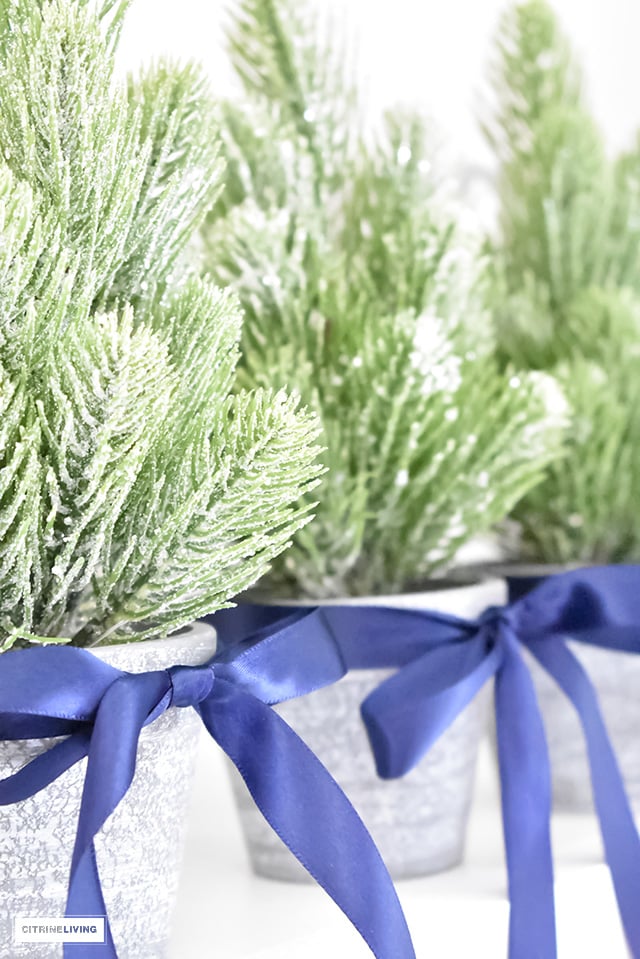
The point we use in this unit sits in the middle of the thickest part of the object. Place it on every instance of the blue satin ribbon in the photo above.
(443, 661)
(62, 691)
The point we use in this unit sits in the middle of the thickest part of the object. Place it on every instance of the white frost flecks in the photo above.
(404, 154)
(556, 412)
(402, 478)
(552, 395)
(433, 356)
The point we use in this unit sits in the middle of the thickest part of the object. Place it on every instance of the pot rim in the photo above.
(436, 598)
(524, 568)
(196, 632)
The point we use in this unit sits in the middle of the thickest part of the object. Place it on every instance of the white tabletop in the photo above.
(224, 912)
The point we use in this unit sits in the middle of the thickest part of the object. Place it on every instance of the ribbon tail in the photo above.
(85, 899)
(123, 711)
(311, 814)
(619, 833)
(44, 769)
(526, 809)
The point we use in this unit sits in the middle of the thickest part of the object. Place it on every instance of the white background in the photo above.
(426, 52)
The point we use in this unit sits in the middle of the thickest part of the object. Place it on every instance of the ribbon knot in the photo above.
(190, 685)
(496, 622)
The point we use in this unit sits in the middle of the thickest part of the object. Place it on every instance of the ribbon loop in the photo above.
(190, 685)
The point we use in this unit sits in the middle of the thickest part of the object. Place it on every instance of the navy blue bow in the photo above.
(62, 691)
(442, 662)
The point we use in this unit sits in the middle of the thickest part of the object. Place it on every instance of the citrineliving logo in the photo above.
(65, 929)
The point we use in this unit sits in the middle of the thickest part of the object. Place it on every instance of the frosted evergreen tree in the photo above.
(566, 294)
(569, 217)
(362, 296)
(137, 489)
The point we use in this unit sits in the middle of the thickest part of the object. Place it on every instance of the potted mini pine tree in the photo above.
(362, 296)
(566, 301)
(126, 462)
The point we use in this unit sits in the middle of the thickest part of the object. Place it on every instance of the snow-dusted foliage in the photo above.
(361, 294)
(137, 491)
(566, 296)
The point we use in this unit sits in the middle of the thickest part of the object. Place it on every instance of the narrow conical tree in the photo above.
(566, 296)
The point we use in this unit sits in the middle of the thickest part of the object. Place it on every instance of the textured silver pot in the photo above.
(138, 850)
(616, 678)
(418, 822)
